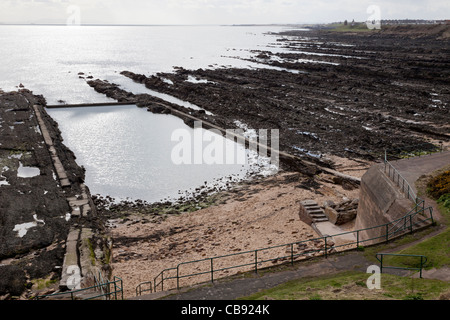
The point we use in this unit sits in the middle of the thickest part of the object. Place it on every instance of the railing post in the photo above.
(410, 223)
(326, 250)
(212, 270)
(381, 264)
(256, 261)
(292, 254)
(357, 239)
(421, 265)
(178, 279)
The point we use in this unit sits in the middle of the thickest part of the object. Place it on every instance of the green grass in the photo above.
(444, 207)
(370, 252)
(436, 249)
(352, 286)
(43, 283)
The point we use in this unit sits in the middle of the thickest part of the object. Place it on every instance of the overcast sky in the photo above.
(214, 11)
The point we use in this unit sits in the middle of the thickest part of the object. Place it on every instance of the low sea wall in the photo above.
(380, 202)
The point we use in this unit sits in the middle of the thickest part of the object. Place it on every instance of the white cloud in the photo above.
(215, 11)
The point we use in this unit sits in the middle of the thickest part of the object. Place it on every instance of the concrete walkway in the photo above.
(412, 169)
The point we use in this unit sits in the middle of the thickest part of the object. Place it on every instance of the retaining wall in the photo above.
(380, 202)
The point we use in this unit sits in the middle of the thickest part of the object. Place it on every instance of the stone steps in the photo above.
(311, 212)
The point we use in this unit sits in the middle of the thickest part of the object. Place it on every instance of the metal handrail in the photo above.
(418, 209)
(118, 289)
(423, 261)
(389, 234)
(405, 186)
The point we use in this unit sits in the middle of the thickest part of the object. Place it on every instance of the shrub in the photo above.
(439, 185)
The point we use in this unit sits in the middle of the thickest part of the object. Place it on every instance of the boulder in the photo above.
(343, 212)
(156, 108)
(331, 214)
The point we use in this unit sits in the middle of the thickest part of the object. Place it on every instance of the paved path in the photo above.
(412, 169)
(236, 288)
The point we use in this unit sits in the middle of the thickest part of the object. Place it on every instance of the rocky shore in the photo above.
(330, 93)
(38, 197)
(339, 100)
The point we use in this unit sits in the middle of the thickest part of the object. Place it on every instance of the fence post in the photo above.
(178, 279)
(357, 239)
(326, 250)
(212, 270)
(256, 261)
(292, 254)
(421, 265)
(381, 264)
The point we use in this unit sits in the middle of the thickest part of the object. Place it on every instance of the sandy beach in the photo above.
(252, 216)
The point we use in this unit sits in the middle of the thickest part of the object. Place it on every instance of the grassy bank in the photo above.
(353, 286)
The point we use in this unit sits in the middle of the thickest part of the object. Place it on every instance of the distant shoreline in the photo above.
(156, 25)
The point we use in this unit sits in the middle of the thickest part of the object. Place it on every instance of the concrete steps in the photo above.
(311, 212)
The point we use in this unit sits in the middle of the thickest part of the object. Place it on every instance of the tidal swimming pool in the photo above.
(128, 153)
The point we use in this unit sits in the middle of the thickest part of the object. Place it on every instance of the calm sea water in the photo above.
(47, 59)
(127, 153)
(125, 150)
